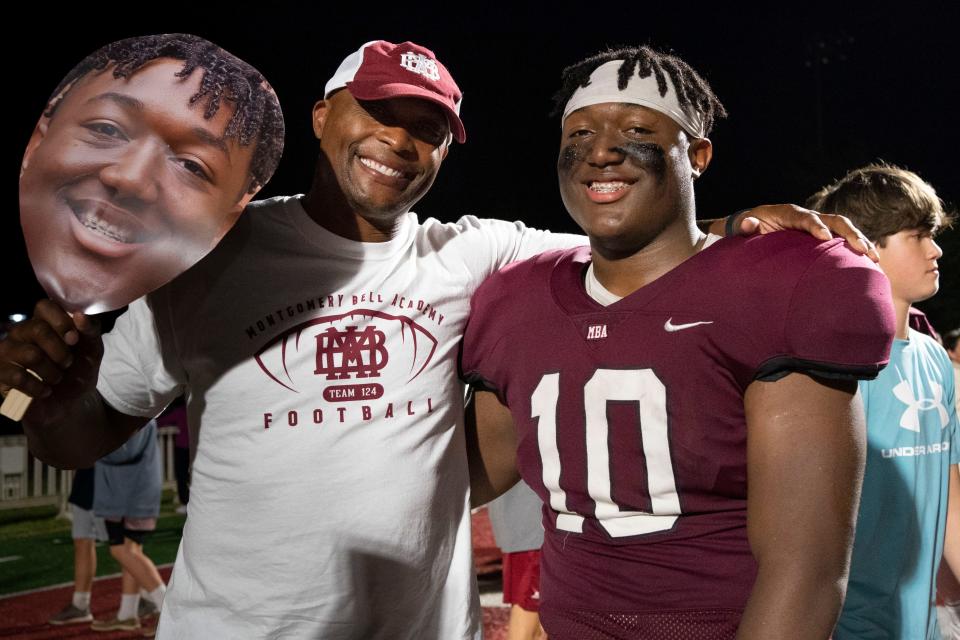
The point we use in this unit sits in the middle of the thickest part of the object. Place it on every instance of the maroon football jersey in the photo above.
(630, 417)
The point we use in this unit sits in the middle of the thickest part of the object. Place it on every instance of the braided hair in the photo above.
(257, 118)
(693, 92)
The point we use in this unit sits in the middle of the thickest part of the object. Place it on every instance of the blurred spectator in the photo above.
(87, 529)
(951, 342)
(948, 588)
(127, 495)
(515, 517)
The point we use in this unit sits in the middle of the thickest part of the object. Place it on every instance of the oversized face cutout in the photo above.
(126, 185)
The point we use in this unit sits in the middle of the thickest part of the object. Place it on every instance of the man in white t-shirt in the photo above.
(316, 346)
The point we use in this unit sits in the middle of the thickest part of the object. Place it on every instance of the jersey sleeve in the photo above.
(479, 357)
(139, 374)
(839, 320)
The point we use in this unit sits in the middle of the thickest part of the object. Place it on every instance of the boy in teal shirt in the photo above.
(913, 437)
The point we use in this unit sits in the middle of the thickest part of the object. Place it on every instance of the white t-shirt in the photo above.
(329, 496)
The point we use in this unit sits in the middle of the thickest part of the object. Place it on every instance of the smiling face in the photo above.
(127, 185)
(385, 154)
(626, 173)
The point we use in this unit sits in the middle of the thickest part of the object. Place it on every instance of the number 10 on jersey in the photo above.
(605, 385)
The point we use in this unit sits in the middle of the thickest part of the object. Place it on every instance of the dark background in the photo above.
(811, 93)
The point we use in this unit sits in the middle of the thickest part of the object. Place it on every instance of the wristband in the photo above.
(728, 228)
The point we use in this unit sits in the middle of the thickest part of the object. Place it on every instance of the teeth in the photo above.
(90, 220)
(381, 168)
(607, 187)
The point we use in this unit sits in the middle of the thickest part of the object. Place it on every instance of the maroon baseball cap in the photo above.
(379, 70)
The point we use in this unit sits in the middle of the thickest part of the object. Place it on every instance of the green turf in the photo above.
(44, 550)
(9, 516)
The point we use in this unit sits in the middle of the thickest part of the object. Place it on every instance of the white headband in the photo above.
(642, 91)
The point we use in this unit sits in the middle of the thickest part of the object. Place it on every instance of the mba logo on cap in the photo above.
(379, 71)
(420, 64)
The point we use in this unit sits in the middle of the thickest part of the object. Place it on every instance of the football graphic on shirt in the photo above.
(347, 356)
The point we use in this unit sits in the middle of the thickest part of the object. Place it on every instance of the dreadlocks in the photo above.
(692, 90)
(257, 118)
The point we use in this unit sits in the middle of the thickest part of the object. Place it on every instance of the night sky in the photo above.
(810, 95)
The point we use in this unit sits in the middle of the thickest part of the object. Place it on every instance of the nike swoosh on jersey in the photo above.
(669, 326)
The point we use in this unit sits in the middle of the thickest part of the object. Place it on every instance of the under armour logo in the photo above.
(911, 416)
(420, 64)
(340, 353)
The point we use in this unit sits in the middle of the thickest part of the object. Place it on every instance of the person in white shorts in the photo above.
(86, 530)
